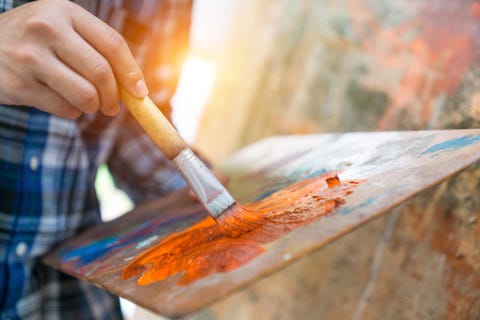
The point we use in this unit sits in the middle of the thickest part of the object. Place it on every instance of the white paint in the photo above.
(146, 242)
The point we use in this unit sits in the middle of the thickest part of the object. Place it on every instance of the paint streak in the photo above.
(88, 253)
(204, 249)
(83, 255)
(109, 243)
(453, 144)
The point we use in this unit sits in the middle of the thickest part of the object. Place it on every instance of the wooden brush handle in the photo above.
(155, 124)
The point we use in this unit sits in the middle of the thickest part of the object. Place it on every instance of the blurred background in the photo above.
(258, 68)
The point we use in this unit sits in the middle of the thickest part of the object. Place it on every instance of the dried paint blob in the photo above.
(205, 248)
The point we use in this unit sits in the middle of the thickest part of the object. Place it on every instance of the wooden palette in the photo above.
(395, 165)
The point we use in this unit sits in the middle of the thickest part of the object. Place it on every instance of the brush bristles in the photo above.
(237, 220)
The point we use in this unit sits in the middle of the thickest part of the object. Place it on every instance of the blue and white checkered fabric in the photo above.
(48, 167)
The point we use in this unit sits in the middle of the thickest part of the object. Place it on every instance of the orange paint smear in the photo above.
(209, 247)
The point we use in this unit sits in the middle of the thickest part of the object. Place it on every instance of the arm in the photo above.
(58, 57)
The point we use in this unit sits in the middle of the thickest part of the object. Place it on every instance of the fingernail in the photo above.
(141, 89)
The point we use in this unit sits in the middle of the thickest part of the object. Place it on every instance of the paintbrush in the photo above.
(210, 192)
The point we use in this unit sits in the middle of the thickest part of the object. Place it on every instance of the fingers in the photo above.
(68, 84)
(91, 65)
(114, 48)
(51, 102)
(70, 61)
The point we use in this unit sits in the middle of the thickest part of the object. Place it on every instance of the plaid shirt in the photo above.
(48, 166)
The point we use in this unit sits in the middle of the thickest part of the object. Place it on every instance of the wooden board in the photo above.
(396, 166)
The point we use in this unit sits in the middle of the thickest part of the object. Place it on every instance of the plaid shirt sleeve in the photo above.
(139, 167)
(48, 167)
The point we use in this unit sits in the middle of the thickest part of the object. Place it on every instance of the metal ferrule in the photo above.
(211, 193)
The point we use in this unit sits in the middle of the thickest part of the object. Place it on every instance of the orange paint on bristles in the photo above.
(239, 233)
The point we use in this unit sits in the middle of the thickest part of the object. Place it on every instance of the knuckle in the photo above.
(133, 73)
(41, 25)
(115, 40)
(27, 55)
(101, 70)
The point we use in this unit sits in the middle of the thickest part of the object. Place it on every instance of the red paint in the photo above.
(205, 248)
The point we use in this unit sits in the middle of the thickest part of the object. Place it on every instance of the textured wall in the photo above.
(320, 66)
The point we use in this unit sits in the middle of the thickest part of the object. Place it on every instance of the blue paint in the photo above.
(91, 252)
(453, 144)
(83, 255)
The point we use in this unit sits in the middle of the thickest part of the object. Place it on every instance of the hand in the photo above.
(59, 58)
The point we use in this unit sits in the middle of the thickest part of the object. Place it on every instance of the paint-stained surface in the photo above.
(393, 165)
(360, 65)
(204, 248)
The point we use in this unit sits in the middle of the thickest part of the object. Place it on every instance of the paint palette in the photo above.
(394, 166)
